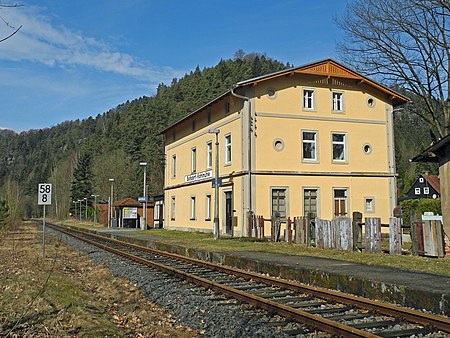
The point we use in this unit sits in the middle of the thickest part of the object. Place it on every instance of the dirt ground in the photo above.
(66, 295)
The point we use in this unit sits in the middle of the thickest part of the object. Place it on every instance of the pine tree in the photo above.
(82, 179)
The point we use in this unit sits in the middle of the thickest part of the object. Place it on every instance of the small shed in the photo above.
(440, 152)
(129, 212)
(425, 186)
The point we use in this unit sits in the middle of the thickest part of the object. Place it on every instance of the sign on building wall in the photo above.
(198, 176)
(130, 213)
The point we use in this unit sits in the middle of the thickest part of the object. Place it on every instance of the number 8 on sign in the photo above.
(44, 194)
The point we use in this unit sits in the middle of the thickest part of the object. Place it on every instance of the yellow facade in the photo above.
(316, 138)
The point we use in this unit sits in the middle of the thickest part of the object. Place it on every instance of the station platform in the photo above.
(422, 291)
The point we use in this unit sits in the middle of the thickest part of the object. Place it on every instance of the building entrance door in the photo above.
(228, 213)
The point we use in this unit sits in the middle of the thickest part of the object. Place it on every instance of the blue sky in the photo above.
(74, 59)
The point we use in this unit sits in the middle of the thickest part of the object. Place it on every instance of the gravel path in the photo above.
(210, 313)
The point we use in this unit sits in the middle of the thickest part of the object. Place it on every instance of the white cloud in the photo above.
(42, 42)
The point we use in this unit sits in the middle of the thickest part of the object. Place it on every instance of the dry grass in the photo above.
(66, 295)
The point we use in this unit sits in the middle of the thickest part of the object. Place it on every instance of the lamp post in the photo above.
(95, 209)
(111, 203)
(216, 186)
(79, 201)
(144, 205)
(86, 200)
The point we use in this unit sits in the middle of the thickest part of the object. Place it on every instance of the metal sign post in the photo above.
(44, 198)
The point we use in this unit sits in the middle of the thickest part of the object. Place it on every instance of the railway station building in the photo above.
(314, 139)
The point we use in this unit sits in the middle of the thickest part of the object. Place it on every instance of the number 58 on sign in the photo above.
(44, 194)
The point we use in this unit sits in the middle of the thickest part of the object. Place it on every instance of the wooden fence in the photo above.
(341, 233)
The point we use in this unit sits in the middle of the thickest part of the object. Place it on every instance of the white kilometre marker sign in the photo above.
(44, 198)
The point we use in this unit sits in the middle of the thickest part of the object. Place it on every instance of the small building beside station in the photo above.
(315, 139)
(127, 213)
(439, 152)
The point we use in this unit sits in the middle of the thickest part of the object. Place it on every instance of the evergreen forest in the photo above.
(79, 157)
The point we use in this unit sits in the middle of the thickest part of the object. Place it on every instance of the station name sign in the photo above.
(198, 176)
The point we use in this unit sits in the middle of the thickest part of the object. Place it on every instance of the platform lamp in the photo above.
(95, 208)
(79, 201)
(144, 205)
(110, 211)
(216, 186)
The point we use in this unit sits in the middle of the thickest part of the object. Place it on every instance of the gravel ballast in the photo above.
(211, 314)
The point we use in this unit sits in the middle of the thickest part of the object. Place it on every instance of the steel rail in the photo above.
(437, 322)
(303, 317)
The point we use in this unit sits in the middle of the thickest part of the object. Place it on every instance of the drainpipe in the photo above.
(249, 146)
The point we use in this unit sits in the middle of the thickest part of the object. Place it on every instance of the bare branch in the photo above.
(403, 43)
(7, 37)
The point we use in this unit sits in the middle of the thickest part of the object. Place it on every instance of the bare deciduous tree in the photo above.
(61, 178)
(14, 199)
(403, 43)
(7, 24)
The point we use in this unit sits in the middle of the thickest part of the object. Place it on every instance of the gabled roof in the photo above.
(127, 202)
(331, 68)
(326, 67)
(433, 181)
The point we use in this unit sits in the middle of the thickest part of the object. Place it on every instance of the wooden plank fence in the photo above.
(395, 236)
(345, 233)
(373, 234)
(335, 234)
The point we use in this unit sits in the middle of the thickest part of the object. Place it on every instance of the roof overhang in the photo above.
(327, 67)
(434, 151)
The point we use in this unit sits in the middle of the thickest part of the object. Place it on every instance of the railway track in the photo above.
(332, 312)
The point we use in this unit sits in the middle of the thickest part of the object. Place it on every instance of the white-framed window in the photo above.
(421, 179)
(193, 208)
(338, 101)
(309, 145)
(208, 207)
(340, 202)
(339, 143)
(227, 156)
(416, 191)
(209, 155)
(369, 204)
(174, 165)
(194, 160)
(172, 208)
(426, 190)
(308, 99)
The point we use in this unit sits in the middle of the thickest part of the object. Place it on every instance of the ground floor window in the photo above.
(340, 202)
(369, 204)
(172, 208)
(279, 202)
(193, 207)
(208, 208)
(310, 202)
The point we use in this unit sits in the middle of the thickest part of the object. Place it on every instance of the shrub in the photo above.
(3, 213)
(414, 208)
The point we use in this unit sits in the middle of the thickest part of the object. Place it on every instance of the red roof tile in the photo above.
(433, 181)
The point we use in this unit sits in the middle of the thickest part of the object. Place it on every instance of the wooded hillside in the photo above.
(112, 144)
